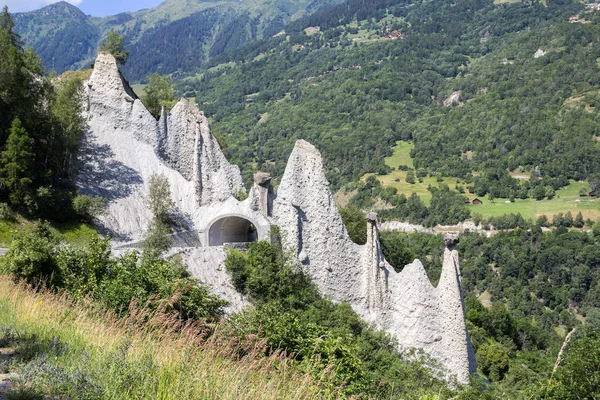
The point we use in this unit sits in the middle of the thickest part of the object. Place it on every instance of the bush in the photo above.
(89, 207)
(6, 213)
(596, 231)
(38, 258)
(493, 360)
(291, 314)
(410, 177)
(31, 257)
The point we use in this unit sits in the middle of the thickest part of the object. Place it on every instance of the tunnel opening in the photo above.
(231, 230)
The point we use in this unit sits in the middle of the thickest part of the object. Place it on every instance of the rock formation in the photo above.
(126, 146)
(404, 304)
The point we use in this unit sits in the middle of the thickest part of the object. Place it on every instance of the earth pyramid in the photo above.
(126, 145)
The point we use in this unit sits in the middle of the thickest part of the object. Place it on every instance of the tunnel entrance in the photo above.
(231, 230)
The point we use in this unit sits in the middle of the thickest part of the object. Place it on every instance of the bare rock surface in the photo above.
(405, 304)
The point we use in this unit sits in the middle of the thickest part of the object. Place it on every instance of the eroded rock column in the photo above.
(262, 186)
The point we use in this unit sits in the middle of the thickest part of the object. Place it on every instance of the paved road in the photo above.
(3, 251)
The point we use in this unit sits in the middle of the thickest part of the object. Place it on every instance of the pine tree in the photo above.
(578, 223)
(7, 25)
(16, 163)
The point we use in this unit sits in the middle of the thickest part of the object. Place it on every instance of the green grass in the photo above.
(62, 350)
(567, 199)
(401, 155)
(74, 232)
(9, 228)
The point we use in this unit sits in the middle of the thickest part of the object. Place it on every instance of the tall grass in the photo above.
(78, 351)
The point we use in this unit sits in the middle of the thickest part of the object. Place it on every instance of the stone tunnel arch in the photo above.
(232, 229)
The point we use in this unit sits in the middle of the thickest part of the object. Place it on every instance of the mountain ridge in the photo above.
(65, 38)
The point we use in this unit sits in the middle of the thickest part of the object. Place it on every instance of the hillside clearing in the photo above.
(567, 199)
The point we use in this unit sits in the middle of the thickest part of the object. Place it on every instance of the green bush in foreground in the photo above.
(91, 271)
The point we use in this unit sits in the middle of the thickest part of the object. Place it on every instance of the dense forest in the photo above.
(353, 93)
(172, 38)
(41, 128)
(525, 290)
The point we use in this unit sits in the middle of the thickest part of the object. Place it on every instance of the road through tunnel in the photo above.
(232, 230)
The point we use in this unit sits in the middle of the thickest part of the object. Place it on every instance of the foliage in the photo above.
(493, 360)
(90, 271)
(40, 131)
(31, 257)
(159, 199)
(158, 92)
(156, 239)
(578, 375)
(355, 223)
(63, 36)
(113, 44)
(354, 96)
(17, 163)
(89, 207)
(6, 213)
(410, 176)
(161, 206)
(446, 206)
(396, 249)
(401, 249)
(69, 123)
(291, 314)
(522, 289)
(62, 350)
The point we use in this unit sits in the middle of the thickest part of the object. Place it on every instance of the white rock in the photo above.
(126, 146)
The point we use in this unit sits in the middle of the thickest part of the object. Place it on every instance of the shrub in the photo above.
(31, 257)
(6, 213)
(493, 360)
(291, 314)
(91, 271)
(410, 177)
(89, 207)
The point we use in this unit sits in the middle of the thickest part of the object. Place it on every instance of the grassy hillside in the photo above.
(64, 351)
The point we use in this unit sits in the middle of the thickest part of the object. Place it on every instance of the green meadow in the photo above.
(567, 198)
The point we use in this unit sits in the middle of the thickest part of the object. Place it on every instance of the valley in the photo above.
(215, 218)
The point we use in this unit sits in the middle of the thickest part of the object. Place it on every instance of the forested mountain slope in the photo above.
(62, 35)
(174, 36)
(354, 92)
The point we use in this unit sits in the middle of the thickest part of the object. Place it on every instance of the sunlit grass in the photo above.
(73, 232)
(151, 355)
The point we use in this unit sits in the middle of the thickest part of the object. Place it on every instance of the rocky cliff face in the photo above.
(404, 304)
(181, 138)
(126, 146)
